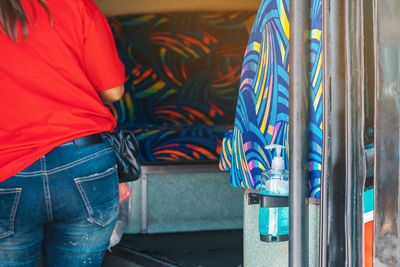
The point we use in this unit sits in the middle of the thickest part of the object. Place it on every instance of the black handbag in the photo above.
(126, 149)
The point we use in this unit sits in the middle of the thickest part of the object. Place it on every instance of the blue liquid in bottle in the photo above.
(274, 182)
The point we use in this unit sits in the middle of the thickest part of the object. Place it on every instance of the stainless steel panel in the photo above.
(387, 115)
(332, 237)
(179, 168)
(343, 150)
(355, 156)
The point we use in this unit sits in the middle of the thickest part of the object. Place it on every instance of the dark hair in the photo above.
(11, 13)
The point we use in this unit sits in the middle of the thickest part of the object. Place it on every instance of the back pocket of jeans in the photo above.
(9, 199)
(100, 195)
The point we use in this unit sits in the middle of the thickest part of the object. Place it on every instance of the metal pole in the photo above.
(333, 182)
(298, 132)
(355, 156)
(343, 149)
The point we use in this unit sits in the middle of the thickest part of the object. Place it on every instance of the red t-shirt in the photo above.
(48, 85)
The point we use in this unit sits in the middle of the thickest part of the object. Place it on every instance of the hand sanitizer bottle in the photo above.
(274, 222)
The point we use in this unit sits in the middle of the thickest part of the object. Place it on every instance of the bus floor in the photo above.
(188, 249)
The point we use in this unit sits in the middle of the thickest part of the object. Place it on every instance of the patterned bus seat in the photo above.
(182, 74)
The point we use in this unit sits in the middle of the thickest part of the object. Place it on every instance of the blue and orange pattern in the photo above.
(180, 142)
(183, 71)
(262, 114)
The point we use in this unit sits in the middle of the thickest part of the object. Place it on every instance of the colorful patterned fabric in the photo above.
(183, 70)
(315, 144)
(179, 142)
(262, 114)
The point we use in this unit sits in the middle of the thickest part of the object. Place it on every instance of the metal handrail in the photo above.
(299, 117)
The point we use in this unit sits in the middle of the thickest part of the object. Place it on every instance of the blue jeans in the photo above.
(65, 205)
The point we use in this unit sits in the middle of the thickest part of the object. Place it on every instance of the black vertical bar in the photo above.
(298, 132)
(333, 182)
(387, 132)
(369, 78)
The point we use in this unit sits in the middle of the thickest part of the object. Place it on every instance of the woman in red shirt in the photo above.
(58, 181)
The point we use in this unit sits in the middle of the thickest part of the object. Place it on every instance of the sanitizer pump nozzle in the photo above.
(274, 221)
(277, 161)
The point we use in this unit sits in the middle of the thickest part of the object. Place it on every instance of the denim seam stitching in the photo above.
(84, 196)
(13, 210)
(66, 166)
(86, 178)
(85, 200)
(46, 189)
(83, 160)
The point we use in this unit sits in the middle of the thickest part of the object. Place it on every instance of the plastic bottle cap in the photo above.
(277, 162)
